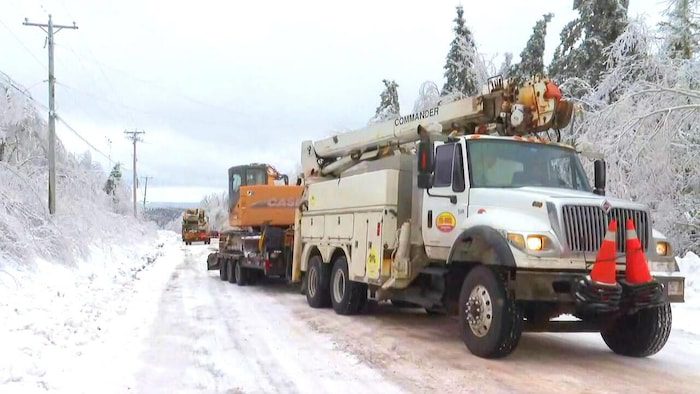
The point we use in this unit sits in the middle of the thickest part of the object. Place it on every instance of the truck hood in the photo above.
(527, 209)
(558, 196)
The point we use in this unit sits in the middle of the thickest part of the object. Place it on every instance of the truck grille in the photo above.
(585, 226)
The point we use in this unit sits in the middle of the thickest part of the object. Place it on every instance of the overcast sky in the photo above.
(221, 83)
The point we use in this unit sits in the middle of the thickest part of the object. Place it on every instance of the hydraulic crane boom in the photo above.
(504, 108)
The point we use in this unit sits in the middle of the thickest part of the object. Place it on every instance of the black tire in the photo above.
(230, 267)
(640, 334)
(497, 322)
(347, 296)
(241, 275)
(318, 283)
(223, 270)
(254, 277)
(302, 288)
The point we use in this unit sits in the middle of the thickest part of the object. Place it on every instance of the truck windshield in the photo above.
(510, 164)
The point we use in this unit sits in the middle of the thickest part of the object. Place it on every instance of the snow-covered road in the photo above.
(209, 335)
(178, 328)
(266, 338)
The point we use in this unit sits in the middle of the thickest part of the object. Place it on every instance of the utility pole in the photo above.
(145, 190)
(134, 136)
(50, 30)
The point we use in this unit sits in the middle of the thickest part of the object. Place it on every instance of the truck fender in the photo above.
(306, 253)
(482, 244)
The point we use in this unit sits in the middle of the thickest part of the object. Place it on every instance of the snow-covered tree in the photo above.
(531, 58)
(216, 207)
(644, 116)
(506, 66)
(428, 96)
(389, 103)
(114, 178)
(85, 213)
(460, 74)
(583, 40)
(681, 28)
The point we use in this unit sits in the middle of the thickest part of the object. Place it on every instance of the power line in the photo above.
(15, 86)
(22, 44)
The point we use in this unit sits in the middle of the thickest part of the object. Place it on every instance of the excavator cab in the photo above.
(260, 195)
(247, 175)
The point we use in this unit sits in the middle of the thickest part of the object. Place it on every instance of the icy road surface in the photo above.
(178, 328)
(214, 335)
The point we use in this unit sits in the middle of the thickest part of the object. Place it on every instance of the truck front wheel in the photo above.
(490, 321)
(347, 296)
(318, 283)
(640, 334)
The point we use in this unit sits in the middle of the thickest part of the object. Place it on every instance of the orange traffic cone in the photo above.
(599, 292)
(639, 289)
(603, 271)
(637, 271)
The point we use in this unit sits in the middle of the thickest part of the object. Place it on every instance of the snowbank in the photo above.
(51, 314)
(686, 316)
(60, 274)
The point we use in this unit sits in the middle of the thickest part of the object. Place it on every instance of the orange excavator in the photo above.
(259, 244)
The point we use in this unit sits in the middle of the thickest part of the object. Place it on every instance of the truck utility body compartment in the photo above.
(360, 214)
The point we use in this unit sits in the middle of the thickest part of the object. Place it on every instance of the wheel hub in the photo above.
(479, 311)
(311, 283)
(339, 285)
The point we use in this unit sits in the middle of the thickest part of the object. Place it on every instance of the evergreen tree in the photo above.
(531, 58)
(681, 28)
(460, 75)
(115, 177)
(389, 103)
(583, 40)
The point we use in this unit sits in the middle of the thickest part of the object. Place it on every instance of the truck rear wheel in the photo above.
(346, 295)
(241, 274)
(223, 270)
(489, 320)
(318, 283)
(640, 334)
(230, 266)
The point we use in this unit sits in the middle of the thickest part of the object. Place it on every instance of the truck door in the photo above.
(445, 204)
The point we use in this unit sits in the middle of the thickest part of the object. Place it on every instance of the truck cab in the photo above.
(534, 199)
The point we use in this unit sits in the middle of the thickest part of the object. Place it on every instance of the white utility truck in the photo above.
(463, 209)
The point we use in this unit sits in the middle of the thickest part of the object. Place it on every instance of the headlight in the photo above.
(536, 242)
(663, 248)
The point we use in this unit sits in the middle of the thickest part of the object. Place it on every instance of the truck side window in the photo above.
(458, 181)
(443, 165)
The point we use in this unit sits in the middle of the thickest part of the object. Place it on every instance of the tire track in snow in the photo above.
(214, 336)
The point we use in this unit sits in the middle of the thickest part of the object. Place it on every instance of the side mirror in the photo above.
(426, 158)
(599, 177)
